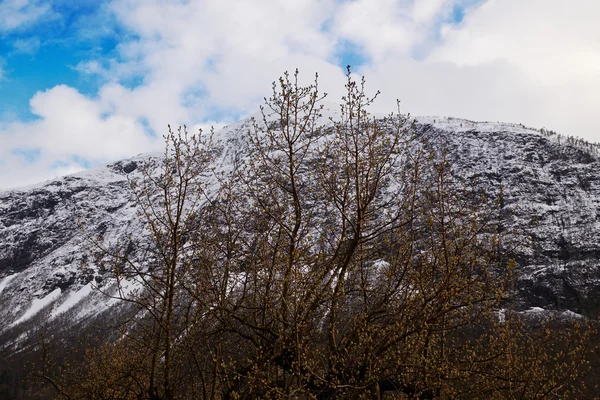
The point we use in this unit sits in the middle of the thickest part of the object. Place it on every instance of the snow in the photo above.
(124, 289)
(535, 310)
(502, 315)
(130, 287)
(464, 125)
(568, 314)
(73, 299)
(4, 282)
(38, 305)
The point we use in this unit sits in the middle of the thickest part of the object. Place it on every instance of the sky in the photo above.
(87, 82)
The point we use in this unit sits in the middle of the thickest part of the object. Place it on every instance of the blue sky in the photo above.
(45, 53)
(89, 81)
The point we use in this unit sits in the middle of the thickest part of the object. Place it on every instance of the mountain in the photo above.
(549, 185)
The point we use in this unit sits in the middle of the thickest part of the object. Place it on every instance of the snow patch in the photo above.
(4, 282)
(535, 310)
(73, 299)
(38, 305)
(502, 315)
(452, 124)
(568, 314)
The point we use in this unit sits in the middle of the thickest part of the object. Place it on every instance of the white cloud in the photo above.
(92, 67)
(229, 51)
(392, 28)
(18, 13)
(553, 49)
(489, 91)
(71, 129)
(552, 41)
(89, 132)
(534, 62)
(425, 11)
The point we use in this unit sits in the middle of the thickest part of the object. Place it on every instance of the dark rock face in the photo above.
(551, 190)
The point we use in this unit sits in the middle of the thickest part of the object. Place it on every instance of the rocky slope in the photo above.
(550, 186)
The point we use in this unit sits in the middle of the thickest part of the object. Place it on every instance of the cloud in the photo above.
(387, 29)
(543, 71)
(547, 40)
(19, 13)
(228, 50)
(26, 46)
(491, 91)
(91, 67)
(72, 132)
(217, 61)
(552, 50)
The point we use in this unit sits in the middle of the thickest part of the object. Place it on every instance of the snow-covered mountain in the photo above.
(550, 185)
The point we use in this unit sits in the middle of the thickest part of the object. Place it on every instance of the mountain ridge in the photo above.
(552, 188)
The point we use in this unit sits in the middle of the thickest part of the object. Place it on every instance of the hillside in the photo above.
(549, 188)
